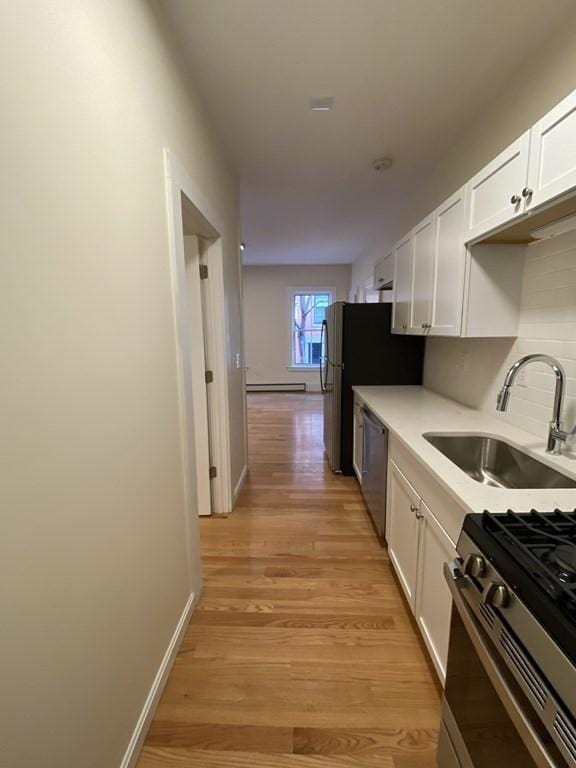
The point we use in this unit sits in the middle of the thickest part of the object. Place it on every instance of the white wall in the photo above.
(93, 547)
(266, 316)
(472, 370)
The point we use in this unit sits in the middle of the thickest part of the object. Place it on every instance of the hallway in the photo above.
(301, 652)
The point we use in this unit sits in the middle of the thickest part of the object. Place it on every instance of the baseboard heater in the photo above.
(288, 387)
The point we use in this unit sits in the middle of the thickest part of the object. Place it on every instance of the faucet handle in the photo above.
(559, 435)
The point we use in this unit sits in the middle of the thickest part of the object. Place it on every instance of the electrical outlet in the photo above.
(238, 360)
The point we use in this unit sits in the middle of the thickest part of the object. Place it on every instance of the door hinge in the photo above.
(209, 377)
(203, 271)
(213, 473)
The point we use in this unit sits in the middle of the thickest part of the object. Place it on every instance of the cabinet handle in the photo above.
(527, 192)
(413, 508)
(515, 199)
(419, 515)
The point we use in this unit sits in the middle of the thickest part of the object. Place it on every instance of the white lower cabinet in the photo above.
(358, 440)
(433, 601)
(418, 547)
(403, 511)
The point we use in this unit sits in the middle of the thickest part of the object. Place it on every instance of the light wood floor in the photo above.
(301, 653)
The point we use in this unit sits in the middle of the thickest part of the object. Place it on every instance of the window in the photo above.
(307, 311)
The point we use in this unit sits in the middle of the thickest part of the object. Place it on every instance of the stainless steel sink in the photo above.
(496, 463)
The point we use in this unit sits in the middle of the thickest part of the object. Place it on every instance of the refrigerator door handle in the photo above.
(323, 357)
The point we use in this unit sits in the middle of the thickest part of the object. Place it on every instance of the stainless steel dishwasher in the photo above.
(374, 470)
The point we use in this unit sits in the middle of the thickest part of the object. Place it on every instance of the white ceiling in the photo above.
(406, 76)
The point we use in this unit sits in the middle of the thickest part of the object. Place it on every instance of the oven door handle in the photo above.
(457, 582)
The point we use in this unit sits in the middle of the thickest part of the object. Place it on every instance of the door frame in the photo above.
(179, 184)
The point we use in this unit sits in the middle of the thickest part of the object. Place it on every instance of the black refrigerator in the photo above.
(359, 348)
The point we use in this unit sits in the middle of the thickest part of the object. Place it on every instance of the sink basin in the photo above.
(496, 463)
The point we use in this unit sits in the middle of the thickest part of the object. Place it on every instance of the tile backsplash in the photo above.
(472, 370)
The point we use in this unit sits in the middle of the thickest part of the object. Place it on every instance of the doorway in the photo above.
(197, 271)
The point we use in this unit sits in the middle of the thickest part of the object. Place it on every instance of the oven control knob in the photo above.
(475, 565)
(496, 595)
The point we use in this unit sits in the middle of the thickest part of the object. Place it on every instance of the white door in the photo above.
(197, 373)
(402, 285)
(403, 510)
(423, 278)
(209, 362)
(449, 266)
(495, 193)
(552, 170)
(433, 600)
(358, 442)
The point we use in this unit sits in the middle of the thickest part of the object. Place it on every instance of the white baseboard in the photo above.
(143, 724)
(239, 484)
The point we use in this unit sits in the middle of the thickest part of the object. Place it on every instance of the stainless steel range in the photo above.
(510, 695)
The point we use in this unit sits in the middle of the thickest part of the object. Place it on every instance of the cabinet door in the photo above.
(384, 270)
(358, 441)
(449, 266)
(433, 600)
(403, 510)
(423, 278)
(495, 194)
(402, 285)
(552, 170)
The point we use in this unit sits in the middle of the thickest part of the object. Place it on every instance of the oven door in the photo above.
(487, 721)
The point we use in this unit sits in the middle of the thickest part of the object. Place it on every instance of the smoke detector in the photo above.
(382, 164)
(322, 103)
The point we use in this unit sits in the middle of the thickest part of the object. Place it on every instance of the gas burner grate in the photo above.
(533, 539)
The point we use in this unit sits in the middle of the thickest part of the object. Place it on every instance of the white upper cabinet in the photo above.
(438, 264)
(423, 242)
(449, 266)
(495, 194)
(384, 270)
(402, 285)
(446, 276)
(552, 171)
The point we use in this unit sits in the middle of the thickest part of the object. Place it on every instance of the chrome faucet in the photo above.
(556, 435)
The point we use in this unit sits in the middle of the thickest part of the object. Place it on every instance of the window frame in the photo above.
(292, 292)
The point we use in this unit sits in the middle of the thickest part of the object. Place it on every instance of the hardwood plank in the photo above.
(301, 653)
(237, 738)
(163, 757)
(295, 620)
(378, 741)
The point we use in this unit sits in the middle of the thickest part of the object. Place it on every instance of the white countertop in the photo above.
(408, 412)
